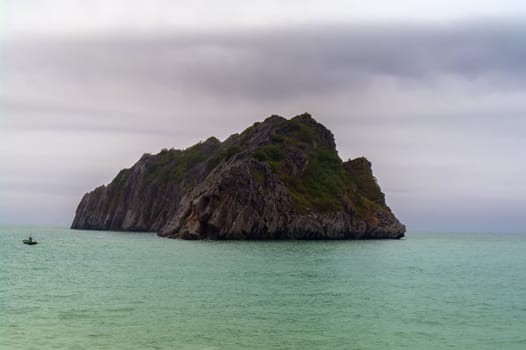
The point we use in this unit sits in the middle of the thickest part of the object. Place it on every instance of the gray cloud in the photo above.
(285, 62)
(103, 80)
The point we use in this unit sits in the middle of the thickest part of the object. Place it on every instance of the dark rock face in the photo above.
(279, 179)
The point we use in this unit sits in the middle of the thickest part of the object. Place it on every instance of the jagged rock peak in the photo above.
(278, 179)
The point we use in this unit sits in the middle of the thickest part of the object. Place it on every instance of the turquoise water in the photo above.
(108, 290)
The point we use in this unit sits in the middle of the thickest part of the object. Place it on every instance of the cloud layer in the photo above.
(72, 17)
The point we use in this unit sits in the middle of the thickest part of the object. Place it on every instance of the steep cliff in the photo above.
(278, 179)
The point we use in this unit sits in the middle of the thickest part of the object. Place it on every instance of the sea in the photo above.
(115, 290)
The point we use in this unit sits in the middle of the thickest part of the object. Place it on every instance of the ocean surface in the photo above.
(110, 290)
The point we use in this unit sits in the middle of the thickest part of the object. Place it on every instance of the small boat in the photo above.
(29, 241)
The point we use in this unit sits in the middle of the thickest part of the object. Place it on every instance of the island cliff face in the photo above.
(278, 179)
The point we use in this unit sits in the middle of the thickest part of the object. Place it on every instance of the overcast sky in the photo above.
(433, 93)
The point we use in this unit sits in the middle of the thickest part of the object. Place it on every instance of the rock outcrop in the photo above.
(278, 179)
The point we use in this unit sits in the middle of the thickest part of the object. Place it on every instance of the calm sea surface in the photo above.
(108, 290)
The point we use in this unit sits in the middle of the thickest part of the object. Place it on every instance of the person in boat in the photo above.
(30, 239)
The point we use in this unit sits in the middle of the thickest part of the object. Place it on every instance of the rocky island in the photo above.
(278, 179)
